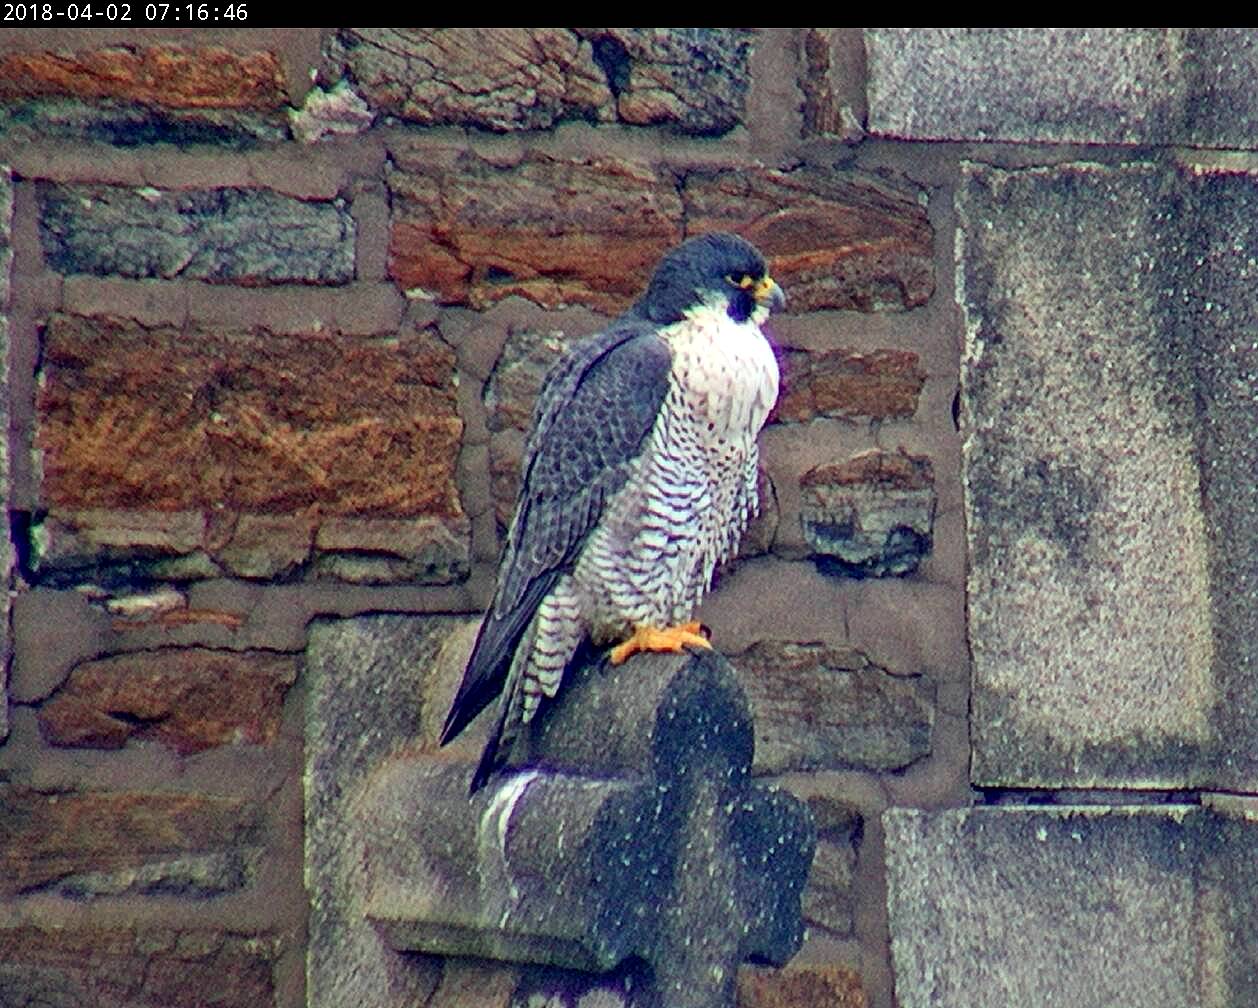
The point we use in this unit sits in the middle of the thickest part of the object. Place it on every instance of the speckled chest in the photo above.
(724, 373)
(693, 490)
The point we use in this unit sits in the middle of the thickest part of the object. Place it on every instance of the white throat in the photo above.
(727, 366)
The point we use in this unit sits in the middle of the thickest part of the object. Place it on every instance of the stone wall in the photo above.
(276, 306)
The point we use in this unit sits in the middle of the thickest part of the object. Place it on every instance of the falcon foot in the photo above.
(671, 639)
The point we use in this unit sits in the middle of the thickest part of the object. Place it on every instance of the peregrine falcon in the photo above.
(639, 476)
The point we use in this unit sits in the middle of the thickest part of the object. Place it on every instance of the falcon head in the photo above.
(713, 270)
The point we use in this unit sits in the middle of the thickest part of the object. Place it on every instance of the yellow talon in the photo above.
(671, 640)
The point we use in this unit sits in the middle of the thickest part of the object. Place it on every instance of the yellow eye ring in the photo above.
(741, 280)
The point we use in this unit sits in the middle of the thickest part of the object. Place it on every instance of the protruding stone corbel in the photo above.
(634, 831)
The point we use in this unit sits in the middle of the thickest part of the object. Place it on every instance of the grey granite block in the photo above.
(1092, 907)
(366, 679)
(1192, 87)
(1111, 437)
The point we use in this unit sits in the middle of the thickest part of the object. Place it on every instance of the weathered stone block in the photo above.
(832, 81)
(176, 77)
(256, 450)
(670, 853)
(828, 901)
(833, 239)
(335, 112)
(60, 967)
(110, 842)
(556, 231)
(241, 236)
(849, 384)
(796, 986)
(367, 680)
(372, 764)
(589, 232)
(495, 78)
(132, 125)
(1085, 85)
(1087, 905)
(429, 550)
(818, 707)
(190, 699)
(871, 516)
(693, 79)
(1111, 437)
(6, 546)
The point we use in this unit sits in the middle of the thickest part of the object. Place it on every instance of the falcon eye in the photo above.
(741, 280)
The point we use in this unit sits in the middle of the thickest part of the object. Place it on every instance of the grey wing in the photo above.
(593, 415)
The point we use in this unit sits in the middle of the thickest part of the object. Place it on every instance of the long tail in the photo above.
(498, 746)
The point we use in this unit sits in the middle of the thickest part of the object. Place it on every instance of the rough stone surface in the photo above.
(1221, 311)
(1091, 906)
(560, 231)
(832, 82)
(150, 967)
(257, 449)
(1109, 420)
(552, 988)
(6, 545)
(424, 549)
(131, 125)
(261, 545)
(553, 230)
(177, 77)
(497, 78)
(828, 900)
(833, 239)
(693, 79)
(871, 516)
(797, 986)
(335, 112)
(671, 854)
(1129, 86)
(818, 707)
(849, 384)
(189, 699)
(367, 682)
(108, 842)
(229, 235)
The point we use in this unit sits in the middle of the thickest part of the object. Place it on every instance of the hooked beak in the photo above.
(768, 293)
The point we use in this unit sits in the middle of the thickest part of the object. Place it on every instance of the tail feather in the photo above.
(495, 752)
(487, 670)
(509, 720)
